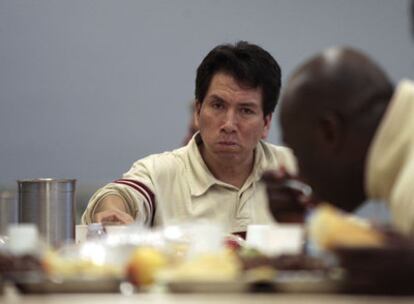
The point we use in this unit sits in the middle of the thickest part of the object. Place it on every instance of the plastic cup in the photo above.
(23, 238)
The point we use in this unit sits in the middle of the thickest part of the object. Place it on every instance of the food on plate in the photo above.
(375, 259)
(214, 266)
(331, 228)
(16, 264)
(144, 264)
(285, 262)
(76, 267)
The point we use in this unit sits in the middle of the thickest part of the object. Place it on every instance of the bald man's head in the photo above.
(340, 79)
(329, 113)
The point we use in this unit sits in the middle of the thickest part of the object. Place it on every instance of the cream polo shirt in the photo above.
(390, 162)
(177, 186)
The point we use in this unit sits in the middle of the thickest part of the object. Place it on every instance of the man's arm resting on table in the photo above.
(112, 210)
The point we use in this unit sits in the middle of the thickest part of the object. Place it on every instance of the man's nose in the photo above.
(230, 121)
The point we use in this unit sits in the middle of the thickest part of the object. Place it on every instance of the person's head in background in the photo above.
(330, 112)
(192, 126)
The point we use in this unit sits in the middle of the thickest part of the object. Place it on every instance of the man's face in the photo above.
(231, 119)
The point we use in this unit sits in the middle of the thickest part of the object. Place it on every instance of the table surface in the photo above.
(10, 296)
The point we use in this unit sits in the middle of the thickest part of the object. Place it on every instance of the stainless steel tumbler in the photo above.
(50, 204)
(9, 210)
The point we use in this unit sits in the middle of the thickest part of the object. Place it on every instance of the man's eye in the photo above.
(247, 111)
(217, 105)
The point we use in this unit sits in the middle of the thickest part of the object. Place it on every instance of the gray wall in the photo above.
(87, 87)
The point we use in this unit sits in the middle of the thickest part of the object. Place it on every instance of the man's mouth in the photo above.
(227, 143)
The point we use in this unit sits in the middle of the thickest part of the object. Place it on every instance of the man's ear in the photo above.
(196, 113)
(267, 125)
(331, 131)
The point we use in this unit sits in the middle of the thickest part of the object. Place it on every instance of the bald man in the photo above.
(352, 133)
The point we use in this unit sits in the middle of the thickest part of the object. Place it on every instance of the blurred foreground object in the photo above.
(206, 267)
(144, 265)
(330, 228)
(276, 239)
(288, 197)
(375, 260)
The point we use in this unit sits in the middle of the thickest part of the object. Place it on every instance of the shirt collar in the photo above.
(201, 179)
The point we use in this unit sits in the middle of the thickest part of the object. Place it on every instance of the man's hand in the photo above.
(113, 217)
(288, 197)
(111, 210)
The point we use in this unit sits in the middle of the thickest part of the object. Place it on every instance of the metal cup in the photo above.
(50, 204)
(9, 211)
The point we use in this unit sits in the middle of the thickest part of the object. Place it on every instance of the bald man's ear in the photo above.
(330, 131)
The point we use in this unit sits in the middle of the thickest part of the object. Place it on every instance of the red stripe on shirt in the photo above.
(144, 190)
(136, 187)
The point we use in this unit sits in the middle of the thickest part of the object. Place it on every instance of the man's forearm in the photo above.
(115, 207)
(111, 202)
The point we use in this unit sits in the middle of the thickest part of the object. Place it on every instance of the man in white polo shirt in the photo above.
(216, 175)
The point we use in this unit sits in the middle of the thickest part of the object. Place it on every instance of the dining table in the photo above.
(12, 296)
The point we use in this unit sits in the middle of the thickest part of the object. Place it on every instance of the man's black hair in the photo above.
(249, 64)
